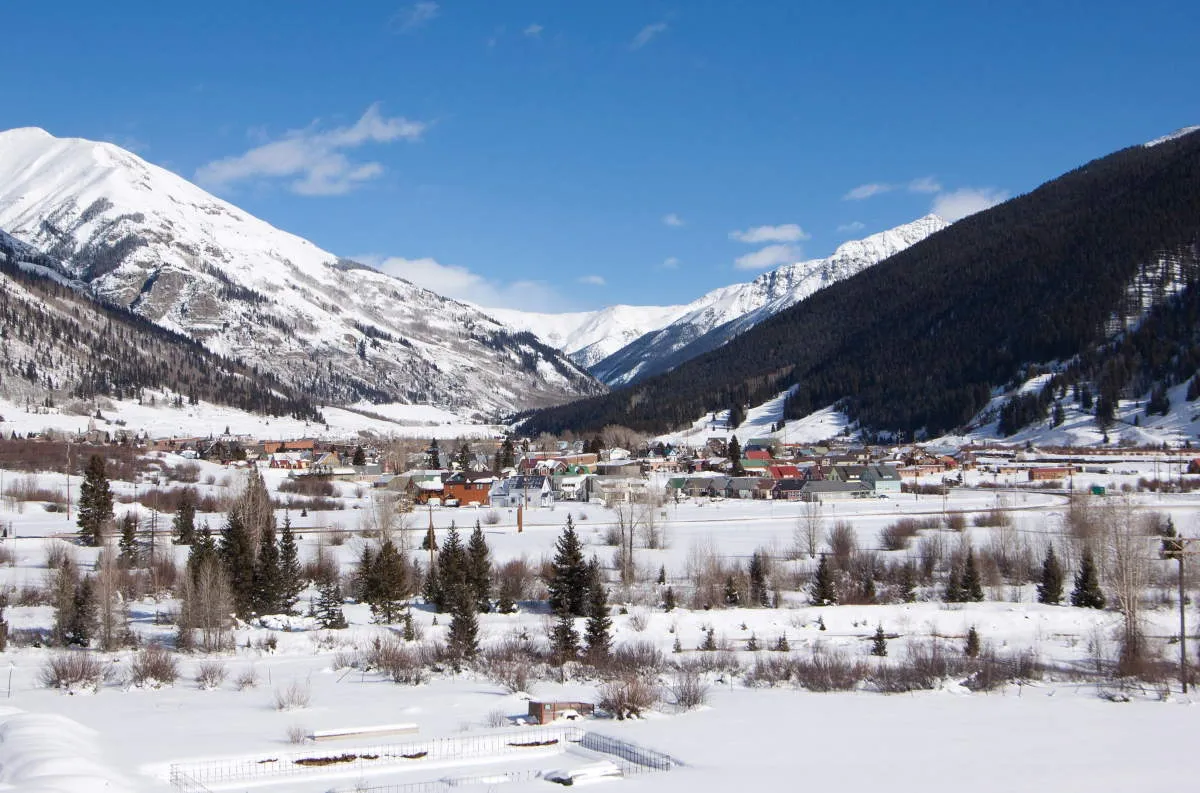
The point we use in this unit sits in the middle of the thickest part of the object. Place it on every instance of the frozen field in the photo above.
(1056, 733)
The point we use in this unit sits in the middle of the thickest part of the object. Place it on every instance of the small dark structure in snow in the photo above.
(546, 712)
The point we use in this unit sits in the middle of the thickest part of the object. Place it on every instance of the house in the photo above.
(748, 487)
(833, 491)
(1050, 473)
(788, 489)
(522, 490)
(883, 479)
(619, 468)
(467, 487)
(575, 487)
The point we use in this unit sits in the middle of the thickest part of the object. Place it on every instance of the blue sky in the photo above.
(562, 155)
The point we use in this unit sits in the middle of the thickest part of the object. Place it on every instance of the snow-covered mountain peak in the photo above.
(148, 239)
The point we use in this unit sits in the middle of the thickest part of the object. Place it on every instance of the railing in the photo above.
(629, 757)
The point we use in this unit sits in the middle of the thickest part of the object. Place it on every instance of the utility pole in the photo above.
(1178, 548)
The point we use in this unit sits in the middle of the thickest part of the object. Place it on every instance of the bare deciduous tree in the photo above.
(810, 525)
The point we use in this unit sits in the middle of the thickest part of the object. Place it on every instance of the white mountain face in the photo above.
(588, 337)
(145, 238)
(604, 341)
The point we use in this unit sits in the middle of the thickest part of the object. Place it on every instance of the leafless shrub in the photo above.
(247, 679)
(896, 536)
(336, 535)
(628, 698)
(297, 733)
(186, 472)
(828, 671)
(722, 662)
(491, 517)
(612, 536)
(635, 659)
(307, 485)
(688, 689)
(843, 543)
(7, 555)
(931, 551)
(512, 663)
(991, 671)
(391, 657)
(32, 595)
(346, 659)
(58, 553)
(639, 620)
(70, 670)
(210, 675)
(496, 719)
(956, 521)
(295, 697)
(153, 666)
(515, 579)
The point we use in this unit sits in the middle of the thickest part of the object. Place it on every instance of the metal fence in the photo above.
(630, 758)
(361, 758)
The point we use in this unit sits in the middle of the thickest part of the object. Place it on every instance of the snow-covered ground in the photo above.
(1052, 734)
(161, 420)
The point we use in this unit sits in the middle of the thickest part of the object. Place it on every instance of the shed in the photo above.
(546, 712)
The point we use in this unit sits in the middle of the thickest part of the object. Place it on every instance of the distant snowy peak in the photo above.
(588, 337)
(718, 316)
(145, 238)
(1179, 133)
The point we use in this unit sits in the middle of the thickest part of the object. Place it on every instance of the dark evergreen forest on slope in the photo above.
(920, 340)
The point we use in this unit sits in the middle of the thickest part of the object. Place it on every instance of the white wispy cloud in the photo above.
(461, 283)
(673, 220)
(414, 16)
(864, 191)
(958, 204)
(925, 184)
(670, 263)
(314, 160)
(647, 34)
(853, 225)
(592, 280)
(787, 232)
(534, 30)
(770, 256)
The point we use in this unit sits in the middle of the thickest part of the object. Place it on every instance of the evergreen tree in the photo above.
(184, 524)
(479, 570)
(267, 587)
(452, 571)
(598, 632)
(1087, 593)
(359, 458)
(669, 599)
(462, 458)
(971, 648)
(364, 575)
(3, 623)
(434, 454)
(462, 639)
(204, 550)
(1050, 588)
(972, 587)
(733, 597)
(662, 575)
(908, 582)
(291, 577)
(758, 580)
(95, 502)
(781, 644)
(432, 589)
(710, 641)
(734, 453)
(508, 453)
(954, 587)
(237, 557)
(568, 584)
(389, 584)
(564, 639)
(329, 604)
(82, 625)
(879, 643)
(824, 591)
(128, 543)
(752, 643)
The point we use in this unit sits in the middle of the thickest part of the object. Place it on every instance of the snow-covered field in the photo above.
(1054, 734)
(160, 420)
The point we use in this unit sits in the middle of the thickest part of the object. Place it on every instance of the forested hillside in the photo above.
(58, 343)
(920, 340)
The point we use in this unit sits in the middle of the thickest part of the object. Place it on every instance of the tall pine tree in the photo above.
(479, 570)
(266, 597)
(598, 632)
(184, 524)
(568, 584)
(452, 571)
(237, 557)
(389, 584)
(1087, 593)
(291, 577)
(824, 590)
(1050, 587)
(972, 587)
(95, 502)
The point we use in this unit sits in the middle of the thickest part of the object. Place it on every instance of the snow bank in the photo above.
(41, 753)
